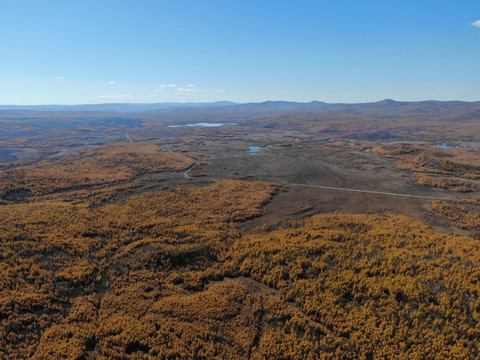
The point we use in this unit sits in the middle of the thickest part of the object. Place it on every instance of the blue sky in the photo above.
(82, 51)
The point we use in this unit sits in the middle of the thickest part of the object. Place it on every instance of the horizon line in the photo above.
(239, 103)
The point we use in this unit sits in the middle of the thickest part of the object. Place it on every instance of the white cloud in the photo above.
(59, 78)
(476, 23)
(220, 90)
(122, 96)
(112, 82)
(172, 85)
(191, 85)
(158, 90)
(186, 90)
(163, 85)
(142, 91)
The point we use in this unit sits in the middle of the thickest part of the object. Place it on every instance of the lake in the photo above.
(447, 147)
(202, 124)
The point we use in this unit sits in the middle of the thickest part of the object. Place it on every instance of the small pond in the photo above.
(447, 147)
(202, 124)
(253, 150)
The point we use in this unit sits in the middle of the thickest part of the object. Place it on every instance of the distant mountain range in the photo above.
(381, 107)
(382, 120)
(114, 107)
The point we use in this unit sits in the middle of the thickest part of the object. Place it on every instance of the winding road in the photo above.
(185, 174)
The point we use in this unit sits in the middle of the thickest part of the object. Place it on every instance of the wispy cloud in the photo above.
(163, 85)
(158, 90)
(220, 90)
(112, 82)
(59, 78)
(191, 85)
(172, 85)
(186, 90)
(476, 23)
(122, 96)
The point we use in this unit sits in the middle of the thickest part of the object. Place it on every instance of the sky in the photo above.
(144, 51)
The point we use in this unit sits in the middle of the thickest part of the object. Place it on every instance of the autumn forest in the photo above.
(276, 237)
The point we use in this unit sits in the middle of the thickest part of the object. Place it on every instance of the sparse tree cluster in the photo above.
(100, 170)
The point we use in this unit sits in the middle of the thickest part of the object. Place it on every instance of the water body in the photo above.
(202, 124)
(253, 150)
(447, 147)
